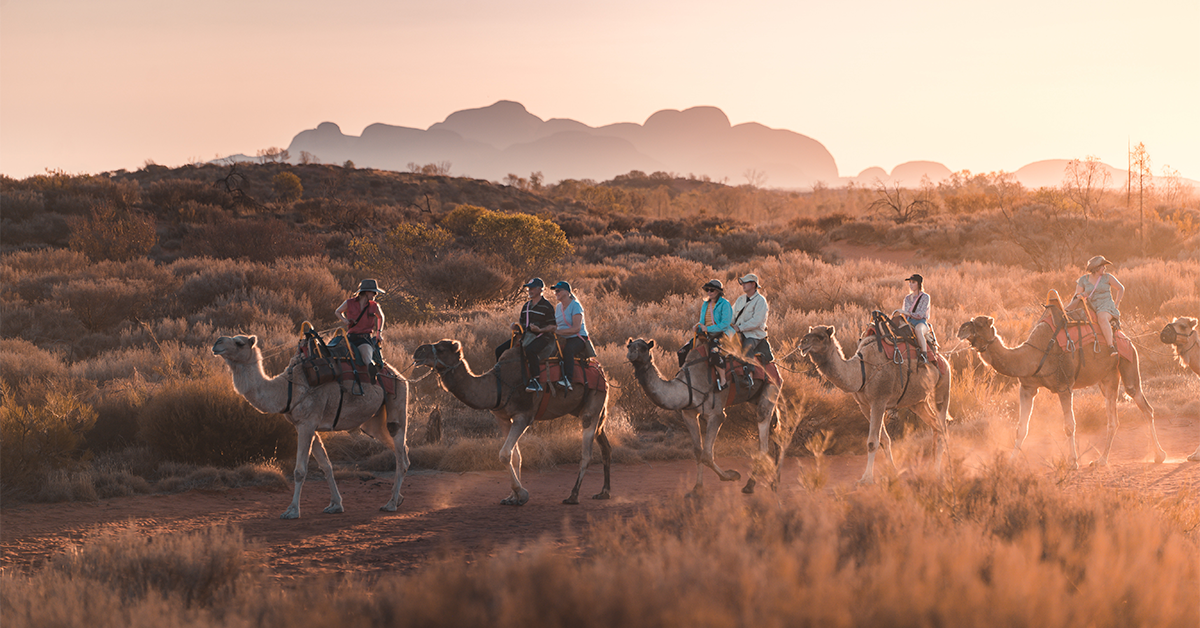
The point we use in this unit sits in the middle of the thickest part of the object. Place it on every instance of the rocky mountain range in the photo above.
(504, 138)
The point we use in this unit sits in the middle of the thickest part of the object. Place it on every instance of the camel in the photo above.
(1036, 364)
(691, 394)
(323, 408)
(502, 390)
(878, 385)
(1181, 334)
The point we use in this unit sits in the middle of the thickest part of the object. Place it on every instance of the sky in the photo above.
(89, 86)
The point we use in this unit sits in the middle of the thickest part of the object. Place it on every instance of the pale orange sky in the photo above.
(90, 86)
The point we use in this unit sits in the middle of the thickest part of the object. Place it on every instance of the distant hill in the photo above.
(504, 138)
(492, 142)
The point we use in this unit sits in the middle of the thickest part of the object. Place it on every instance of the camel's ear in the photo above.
(650, 345)
(984, 321)
(829, 332)
(253, 340)
(1189, 323)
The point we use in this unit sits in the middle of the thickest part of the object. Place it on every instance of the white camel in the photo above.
(1181, 334)
(323, 408)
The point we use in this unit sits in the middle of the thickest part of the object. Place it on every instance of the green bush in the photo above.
(206, 422)
(287, 187)
(529, 242)
(36, 438)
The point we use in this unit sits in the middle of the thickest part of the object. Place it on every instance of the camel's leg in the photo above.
(1196, 456)
(1109, 388)
(510, 454)
(935, 420)
(389, 428)
(1067, 401)
(1134, 390)
(713, 427)
(606, 457)
(691, 420)
(873, 435)
(590, 430)
(335, 497)
(304, 442)
(766, 414)
(1028, 396)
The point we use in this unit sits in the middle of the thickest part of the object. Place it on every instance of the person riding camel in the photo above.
(571, 330)
(1103, 294)
(916, 311)
(537, 320)
(750, 321)
(715, 316)
(363, 319)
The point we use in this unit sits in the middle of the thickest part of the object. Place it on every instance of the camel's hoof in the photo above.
(1160, 457)
(731, 476)
(1194, 457)
(333, 509)
(290, 514)
(866, 480)
(1102, 462)
(573, 500)
(391, 507)
(749, 487)
(516, 499)
(601, 495)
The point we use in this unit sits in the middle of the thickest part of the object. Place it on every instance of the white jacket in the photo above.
(750, 316)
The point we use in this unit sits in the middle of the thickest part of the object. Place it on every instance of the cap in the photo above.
(562, 285)
(536, 282)
(715, 284)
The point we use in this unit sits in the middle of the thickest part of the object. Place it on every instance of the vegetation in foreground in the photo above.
(1003, 548)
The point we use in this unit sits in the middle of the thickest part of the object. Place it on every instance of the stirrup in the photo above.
(533, 386)
(565, 383)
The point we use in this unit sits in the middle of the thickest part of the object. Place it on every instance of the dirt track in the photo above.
(462, 511)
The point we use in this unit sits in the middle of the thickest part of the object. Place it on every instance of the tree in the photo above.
(891, 202)
(1142, 179)
(109, 234)
(1175, 190)
(273, 154)
(755, 178)
(308, 158)
(1084, 182)
(287, 187)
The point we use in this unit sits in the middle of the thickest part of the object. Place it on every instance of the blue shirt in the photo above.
(564, 316)
(722, 316)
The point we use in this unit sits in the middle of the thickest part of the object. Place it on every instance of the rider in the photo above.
(571, 331)
(363, 319)
(715, 315)
(916, 311)
(750, 322)
(537, 321)
(1103, 293)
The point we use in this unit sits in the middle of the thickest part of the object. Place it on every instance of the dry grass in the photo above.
(1004, 547)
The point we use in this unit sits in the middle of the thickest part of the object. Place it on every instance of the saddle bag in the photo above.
(319, 371)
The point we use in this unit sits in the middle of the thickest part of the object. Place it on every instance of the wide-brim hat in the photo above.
(915, 277)
(751, 277)
(369, 285)
(715, 284)
(536, 282)
(562, 285)
(1097, 262)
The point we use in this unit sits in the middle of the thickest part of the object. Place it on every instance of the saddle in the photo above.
(905, 333)
(897, 341)
(335, 361)
(1074, 328)
(551, 355)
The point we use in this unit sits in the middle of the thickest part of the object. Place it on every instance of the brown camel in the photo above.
(1181, 334)
(324, 408)
(1037, 364)
(691, 393)
(502, 390)
(878, 385)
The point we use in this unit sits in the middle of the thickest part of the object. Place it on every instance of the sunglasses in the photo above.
(710, 289)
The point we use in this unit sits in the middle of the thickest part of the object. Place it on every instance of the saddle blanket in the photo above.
(760, 372)
(590, 375)
(1076, 335)
(909, 352)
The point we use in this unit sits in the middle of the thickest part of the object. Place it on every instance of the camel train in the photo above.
(889, 370)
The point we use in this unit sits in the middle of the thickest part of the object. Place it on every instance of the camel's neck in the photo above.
(670, 394)
(1189, 353)
(265, 394)
(477, 391)
(1019, 361)
(844, 373)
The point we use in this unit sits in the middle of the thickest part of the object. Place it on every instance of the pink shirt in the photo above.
(368, 323)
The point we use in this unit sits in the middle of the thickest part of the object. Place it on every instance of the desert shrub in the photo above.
(662, 277)
(740, 245)
(528, 242)
(22, 204)
(49, 261)
(116, 416)
(599, 249)
(807, 239)
(192, 211)
(256, 239)
(287, 187)
(20, 359)
(113, 234)
(461, 220)
(203, 287)
(41, 229)
(103, 303)
(204, 421)
(579, 225)
(310, 280)
(172, 194)
(467, 279)
(40, 436)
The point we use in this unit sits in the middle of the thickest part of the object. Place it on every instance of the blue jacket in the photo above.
(722, 316)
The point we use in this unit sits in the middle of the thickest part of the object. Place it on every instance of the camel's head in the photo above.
(817, 340)
(638, 351)
(439, 356)
(980, 332)
(1178, 331)
(236, 349)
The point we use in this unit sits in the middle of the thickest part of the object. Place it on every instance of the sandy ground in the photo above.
(445, 511)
